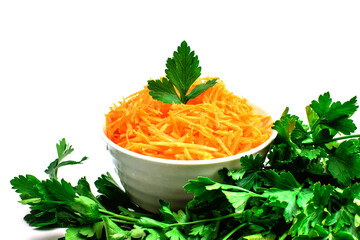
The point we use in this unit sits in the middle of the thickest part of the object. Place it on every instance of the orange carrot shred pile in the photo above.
(215, 124)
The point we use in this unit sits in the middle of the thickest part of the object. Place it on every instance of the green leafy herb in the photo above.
(313, 149)
(63, 150)
(306, 188)
(182, 70)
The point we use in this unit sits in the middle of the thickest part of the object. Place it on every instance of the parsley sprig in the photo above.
(63, 150)
(316, 147)
(182, 70)
(307, 188)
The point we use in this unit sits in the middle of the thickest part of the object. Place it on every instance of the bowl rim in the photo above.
(190, 162)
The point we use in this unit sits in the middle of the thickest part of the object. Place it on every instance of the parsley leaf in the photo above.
(248, 176)
(54, 190)
(175, 234)
(169, 216)
(111, 195)
(113, 231)
(163, 90)
(284, 180)
(344, 163)
(239, 199)
(26, 186)
(334, 115)
(182, 70)
(315, 212)
(319, 232)
(343, 218)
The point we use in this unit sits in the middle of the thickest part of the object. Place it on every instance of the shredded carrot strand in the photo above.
(215, 124)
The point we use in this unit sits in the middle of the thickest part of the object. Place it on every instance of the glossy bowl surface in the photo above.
(148, 179)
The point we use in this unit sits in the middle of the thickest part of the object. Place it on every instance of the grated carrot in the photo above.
(215, 124)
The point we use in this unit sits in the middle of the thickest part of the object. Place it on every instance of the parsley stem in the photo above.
(126, 218)
(283, 236)
(122, 221)
(333, 139)
(234, 230)
(207, 220)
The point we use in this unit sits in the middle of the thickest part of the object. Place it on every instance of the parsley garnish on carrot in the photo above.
(211, 122)
(182, 70)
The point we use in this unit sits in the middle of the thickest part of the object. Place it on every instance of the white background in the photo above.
(63, 63)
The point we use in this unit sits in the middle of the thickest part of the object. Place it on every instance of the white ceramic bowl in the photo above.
(148, 179)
